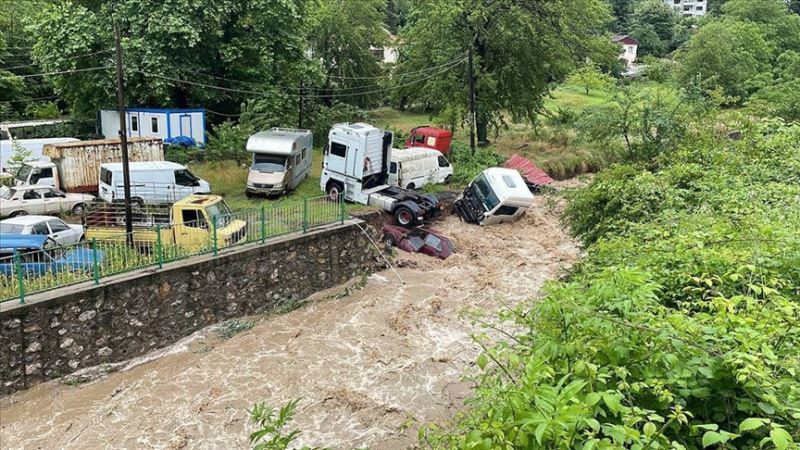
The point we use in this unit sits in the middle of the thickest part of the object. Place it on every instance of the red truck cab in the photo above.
(430, 137)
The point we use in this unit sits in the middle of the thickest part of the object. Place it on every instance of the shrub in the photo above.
(467, 165)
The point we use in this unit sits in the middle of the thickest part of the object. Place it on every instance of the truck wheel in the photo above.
(447, 179)
(18, 213)
(78, 209)
(334, 191)
(404, 216)
(249, 194)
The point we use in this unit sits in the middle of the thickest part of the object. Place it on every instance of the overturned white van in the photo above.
(281, 160)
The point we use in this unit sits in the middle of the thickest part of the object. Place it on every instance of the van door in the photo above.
(336, 157)
(394, 173)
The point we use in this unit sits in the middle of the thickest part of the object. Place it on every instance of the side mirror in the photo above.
(326, 148)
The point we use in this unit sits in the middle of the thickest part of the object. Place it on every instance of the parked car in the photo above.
(419, 240)
(23, 200)
(58, 230)
(37, 257)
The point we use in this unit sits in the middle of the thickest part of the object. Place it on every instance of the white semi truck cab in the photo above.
(356, 165)
(497, 195)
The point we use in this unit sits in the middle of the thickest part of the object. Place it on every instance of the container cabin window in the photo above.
(154, 124)
(134, 123)
(338, 149)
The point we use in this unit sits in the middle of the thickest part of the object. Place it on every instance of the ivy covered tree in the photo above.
(520, 48)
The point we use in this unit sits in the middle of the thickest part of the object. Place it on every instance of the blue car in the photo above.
(39, 255)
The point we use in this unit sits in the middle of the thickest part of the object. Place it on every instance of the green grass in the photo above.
(575, 97)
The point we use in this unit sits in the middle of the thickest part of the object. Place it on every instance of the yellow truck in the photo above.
(195, 223)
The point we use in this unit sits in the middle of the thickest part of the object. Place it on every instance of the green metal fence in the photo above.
(27, 272)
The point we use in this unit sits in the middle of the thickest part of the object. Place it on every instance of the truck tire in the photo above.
(447, 179)
(404, 216)
(78, 209)
(18, 213)
(334, 190)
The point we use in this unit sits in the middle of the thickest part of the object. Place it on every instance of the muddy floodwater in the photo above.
(372, 362)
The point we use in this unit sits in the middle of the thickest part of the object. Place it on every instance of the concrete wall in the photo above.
(59, 332)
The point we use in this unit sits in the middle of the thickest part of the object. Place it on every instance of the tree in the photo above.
(727, 54)
(658, 15)
(589, 77)
(341, 35)
(649, 42)
(520, 48)
(778, 24)
(780, 93)
(623, 12)
(228, 141)
(19, 155)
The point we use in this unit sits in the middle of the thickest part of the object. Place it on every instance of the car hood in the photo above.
(266, 177)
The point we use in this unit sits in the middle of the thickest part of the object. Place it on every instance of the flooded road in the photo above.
(372, 361)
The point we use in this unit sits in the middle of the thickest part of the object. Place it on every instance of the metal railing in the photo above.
(108, 253)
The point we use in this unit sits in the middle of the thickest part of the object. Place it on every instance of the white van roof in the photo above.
(410, 154)
(360, 128)
(144, 166)
(278, 141)
(509, 186)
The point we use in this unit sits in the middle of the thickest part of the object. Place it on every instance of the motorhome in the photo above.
(413, 168)
(281, 160)
(356, 166)
(151, 183)
(497, 195)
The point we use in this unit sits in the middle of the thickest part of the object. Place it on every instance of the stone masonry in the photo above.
(61, 331)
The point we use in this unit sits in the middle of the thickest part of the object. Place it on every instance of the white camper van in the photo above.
(413, 168)
(281, 160)
(152, 182)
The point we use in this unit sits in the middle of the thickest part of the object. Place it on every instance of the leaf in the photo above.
(712, 437)
(751, 423)
(593, 423)
(780, 438)
(482, 360)
(649, 429)
(613, 402)
(539, 433)
(592, 398)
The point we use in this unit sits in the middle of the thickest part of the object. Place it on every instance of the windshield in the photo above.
(7, 193)
(485, 192)
(11, 228)
(269, 163)
(23, 172)
(416, 242)
(221, 212)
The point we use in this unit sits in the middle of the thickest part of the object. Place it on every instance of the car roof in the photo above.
(11, 241)
(27, 220)
(144, 165)
(27, 187)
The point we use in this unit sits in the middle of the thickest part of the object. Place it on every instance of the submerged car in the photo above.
(419, 240)
(37, 255)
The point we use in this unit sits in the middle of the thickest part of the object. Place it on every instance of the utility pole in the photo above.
(471, 98)
(300, 99)
(123, 137)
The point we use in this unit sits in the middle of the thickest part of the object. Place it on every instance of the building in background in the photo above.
(689, 8)
(630, 46)
(167, 124)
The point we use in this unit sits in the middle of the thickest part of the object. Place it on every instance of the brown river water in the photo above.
(371, 364)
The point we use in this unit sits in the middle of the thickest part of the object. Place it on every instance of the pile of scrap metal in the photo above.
(535, 177)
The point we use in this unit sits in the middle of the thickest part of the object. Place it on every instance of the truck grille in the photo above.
(236, 236)
(263, 186)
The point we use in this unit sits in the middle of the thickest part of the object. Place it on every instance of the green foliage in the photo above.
(590, 78)
(658, 70)
(653, 26)
(19, 155)
(321, 118)
(182, 155)
(679, 329)
(780, 90)
(467, 165)
(228, 141)
(271, 423)
(47, 110)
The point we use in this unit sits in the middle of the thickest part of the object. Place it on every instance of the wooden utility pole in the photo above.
(123, 137)
(472, 117)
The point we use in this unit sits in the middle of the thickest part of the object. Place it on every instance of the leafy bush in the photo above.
(228, 142)
(271, 423)
(183, 155)
(467, 165)
(679, 329)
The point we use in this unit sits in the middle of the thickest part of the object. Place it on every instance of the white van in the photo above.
(281, 160)
(413, 168)
(152, 182)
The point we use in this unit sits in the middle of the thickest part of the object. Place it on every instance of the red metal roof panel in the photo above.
(529, 170)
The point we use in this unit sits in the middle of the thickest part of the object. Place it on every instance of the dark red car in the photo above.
(419, 240)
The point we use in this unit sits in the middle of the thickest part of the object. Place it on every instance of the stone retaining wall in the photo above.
(61, 331)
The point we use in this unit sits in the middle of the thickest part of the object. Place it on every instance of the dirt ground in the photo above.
(371, 364)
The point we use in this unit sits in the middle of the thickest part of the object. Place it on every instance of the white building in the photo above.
(157, 122)
(630, 47)
(689, 8)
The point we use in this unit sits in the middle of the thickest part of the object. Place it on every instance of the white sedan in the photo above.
(60, 231)
(22, 200)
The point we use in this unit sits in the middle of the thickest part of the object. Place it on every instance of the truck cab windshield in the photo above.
(269, 163)
(221, 212)
(485, 192)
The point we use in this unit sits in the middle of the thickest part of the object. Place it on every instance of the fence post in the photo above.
(305, 215)
(263, 224)
(20, 278)
(214, 230)
(95, 269)
(159, 248)
(341, 209)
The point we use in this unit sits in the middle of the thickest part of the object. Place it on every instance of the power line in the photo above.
(60, 72)
(52, 97)
(69, 57)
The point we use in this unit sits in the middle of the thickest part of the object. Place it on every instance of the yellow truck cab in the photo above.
(190, 224)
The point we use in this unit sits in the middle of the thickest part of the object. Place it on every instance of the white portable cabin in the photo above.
(157, 122)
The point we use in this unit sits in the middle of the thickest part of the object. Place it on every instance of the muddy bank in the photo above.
(371, 362)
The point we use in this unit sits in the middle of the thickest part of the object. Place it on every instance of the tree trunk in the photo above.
(482, 130)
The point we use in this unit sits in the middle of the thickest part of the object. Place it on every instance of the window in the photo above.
(268, 163)
(506, 210)
(485, 193)
(434, 242)
(193, 218)
(338, 149)
(687, 8)
(134, 123)
(185, 178)
(105, 176)
(699, 8)
(431, 141)
(31, 195)
(40, 228)
(443, 162)
(419, 139)
(393, 167)
(57, 226)
(304, 154)
(154, 124)
(377, 53)
(11, 228)
(52, 194)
